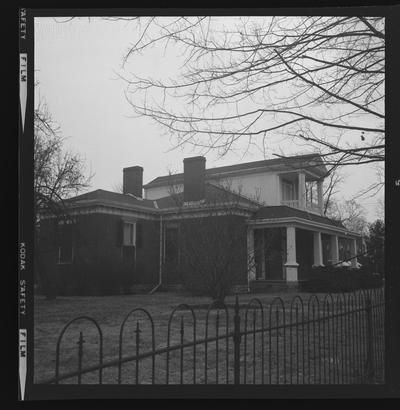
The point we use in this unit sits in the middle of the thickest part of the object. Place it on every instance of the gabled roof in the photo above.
(282, 211)
(307, 161)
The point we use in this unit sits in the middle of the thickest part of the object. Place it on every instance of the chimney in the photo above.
(133, 181)
(193, 178)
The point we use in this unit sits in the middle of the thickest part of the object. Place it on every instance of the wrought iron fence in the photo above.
(322, 340)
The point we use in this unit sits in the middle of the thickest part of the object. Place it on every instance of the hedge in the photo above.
(333, 279)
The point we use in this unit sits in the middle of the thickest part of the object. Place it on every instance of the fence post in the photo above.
(80, 355)
(370, 359)
(236, 343)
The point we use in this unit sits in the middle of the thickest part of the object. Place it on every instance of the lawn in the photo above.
(298, 365)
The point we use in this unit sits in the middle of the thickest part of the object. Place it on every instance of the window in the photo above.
(311, 192)
(129, 234)
(288, 193)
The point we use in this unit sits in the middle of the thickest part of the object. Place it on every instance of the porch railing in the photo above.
(295, 203)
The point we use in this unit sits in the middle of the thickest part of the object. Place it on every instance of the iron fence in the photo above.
(329, 339)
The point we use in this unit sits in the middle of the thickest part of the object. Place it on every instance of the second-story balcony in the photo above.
(301, 190)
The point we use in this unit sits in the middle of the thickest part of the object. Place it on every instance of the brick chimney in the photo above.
(193, 178)
(133, 181)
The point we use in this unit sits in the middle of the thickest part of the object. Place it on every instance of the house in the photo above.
(275, 207)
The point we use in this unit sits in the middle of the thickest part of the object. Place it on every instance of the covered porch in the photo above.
(282, 251)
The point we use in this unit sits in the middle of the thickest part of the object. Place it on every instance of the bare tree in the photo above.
(334, 180)
(58, 174)
(380, 209)
(213, 254)
(317, 80)
(350, 213)
(118, 187)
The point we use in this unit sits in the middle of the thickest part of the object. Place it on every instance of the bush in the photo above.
(213, 255)
(333, 279)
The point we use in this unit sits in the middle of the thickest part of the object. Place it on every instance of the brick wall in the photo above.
(98, 237)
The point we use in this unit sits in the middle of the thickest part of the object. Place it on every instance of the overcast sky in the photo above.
(75, 65)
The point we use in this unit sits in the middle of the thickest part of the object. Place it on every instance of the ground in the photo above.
(110, 311)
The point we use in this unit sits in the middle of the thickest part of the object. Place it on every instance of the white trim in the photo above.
(194, 204)
(101, 209)
(107, 202)
(302, 169)
(302, 223)
(153, 214)
(206, 213)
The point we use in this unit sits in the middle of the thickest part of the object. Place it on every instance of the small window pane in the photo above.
(129, 234)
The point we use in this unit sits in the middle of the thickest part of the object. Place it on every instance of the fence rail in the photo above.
(322, 340)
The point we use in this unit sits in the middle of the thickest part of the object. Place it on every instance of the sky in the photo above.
(76, 64)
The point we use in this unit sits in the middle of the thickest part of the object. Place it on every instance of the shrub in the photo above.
(333, 279)
(213, 255)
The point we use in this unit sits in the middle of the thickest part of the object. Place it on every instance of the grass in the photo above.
(110, 311)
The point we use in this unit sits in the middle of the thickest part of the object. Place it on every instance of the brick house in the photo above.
(272, 208)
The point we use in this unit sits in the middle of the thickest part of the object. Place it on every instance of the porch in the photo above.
(282, 256)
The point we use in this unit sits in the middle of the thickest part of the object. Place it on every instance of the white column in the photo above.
(353, 252)
(291, 263)
(334, 249)
(278, 190)
(251, 267)
(302, 190)
(320, 196)
(318, 260)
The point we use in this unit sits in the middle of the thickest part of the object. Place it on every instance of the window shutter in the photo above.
(139, 233)
(133, 241)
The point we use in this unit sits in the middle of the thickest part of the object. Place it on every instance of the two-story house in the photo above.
(277, 203)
